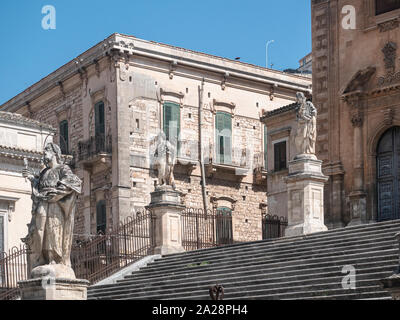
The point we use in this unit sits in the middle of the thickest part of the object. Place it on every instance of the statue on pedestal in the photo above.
(165, 160)
(54, 194)
(306, 126)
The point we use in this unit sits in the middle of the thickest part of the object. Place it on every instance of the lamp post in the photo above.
(268, 43)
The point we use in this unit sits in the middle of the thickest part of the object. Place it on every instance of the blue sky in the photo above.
(228, 28)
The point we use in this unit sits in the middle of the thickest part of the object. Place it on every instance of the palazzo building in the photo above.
(356, 88)
(110, 103)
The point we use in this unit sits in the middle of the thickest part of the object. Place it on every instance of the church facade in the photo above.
(356, 88)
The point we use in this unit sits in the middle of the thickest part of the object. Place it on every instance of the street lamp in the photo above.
(268, 43)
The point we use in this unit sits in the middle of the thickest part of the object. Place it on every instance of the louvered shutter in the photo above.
(64, 136)
(172, 123)
(99, 119)
(223, 125)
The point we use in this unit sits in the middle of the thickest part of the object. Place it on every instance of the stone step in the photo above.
(261, 263)
(268, 247)
(279, 276)
(238, 282)
(299, 247)
(366, 245)
(249, 293)
(306, 267)
(329, 235)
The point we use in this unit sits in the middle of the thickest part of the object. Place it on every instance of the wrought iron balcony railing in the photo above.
(99, 144)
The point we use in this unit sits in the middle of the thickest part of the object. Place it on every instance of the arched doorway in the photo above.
(388, 175)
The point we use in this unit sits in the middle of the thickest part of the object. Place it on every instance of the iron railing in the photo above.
(273, 226)
(99, 257)
(13, 268)
(94, 146)
(202, 231)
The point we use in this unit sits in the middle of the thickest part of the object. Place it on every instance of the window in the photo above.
(224, 234)
(383, 6)
(101, 217)
(223, 125)
(64, 137)
(265, 147)
(172, 123)
(280, 156)
(100, 125)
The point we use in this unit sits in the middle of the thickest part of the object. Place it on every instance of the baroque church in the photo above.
(356, 88)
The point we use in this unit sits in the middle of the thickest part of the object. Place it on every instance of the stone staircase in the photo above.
(306, 267)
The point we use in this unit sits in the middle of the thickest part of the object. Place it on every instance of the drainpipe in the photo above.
(203, 175)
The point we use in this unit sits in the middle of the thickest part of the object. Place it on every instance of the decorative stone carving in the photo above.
(54, 194)
(164, 161)
(306, 126)
(388, 115)
(388, 25)
(357, 120)
(389, 50)
(360, 80)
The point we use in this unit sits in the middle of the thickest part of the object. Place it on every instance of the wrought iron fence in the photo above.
(202, 231)
(13, 268)
(273, 226)
(94, 146)
(102, 255)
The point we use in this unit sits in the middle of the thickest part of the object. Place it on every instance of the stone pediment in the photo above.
(360, 80)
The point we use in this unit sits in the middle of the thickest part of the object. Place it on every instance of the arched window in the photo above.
(101, 217)
(383, 6)
(172, 123)
(64, 145)
(223, 126)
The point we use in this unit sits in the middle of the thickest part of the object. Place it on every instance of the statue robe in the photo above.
(53, 219)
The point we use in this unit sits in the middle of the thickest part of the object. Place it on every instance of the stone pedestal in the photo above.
(305, 188)
(48, 288)
(167, 208)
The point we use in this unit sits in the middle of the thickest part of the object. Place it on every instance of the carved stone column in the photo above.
(358, 201)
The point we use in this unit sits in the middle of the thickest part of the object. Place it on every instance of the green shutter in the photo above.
(101, 217)
(265, 147)
(172, 123)
(99, 119)
(223, 125)
(64, 136)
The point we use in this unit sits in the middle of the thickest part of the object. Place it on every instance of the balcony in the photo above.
(95, 151)
(239, 165)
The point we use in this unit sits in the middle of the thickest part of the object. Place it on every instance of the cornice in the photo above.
(13, 118)
(119, 46)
